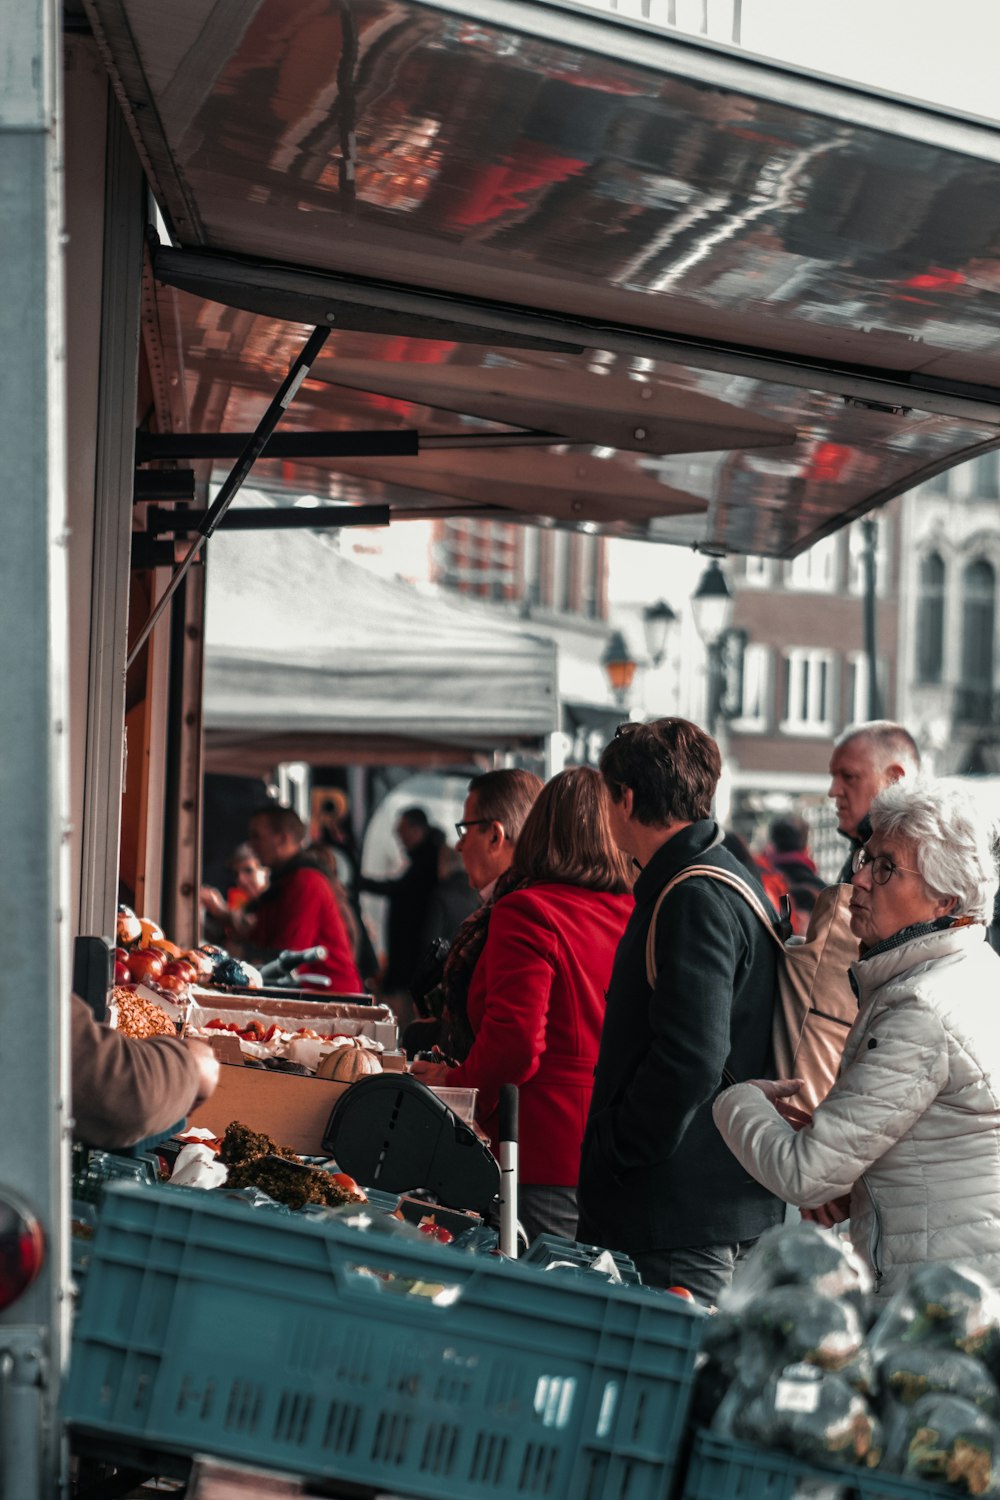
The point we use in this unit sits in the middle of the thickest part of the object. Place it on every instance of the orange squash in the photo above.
(348, 1064)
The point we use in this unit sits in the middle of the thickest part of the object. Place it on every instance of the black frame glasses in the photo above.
(462, 828)
(882, 867)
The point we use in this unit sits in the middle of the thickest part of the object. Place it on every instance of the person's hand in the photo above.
(779, 1091)
(829, 1214)
(214, 902)
(433, 1074)
(208, 1068)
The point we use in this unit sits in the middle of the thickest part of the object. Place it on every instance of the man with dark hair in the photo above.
(866, 758)
(656, 1178)
(409, 896)
(299, 909)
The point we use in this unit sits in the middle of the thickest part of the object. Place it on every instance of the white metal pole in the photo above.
(34, 1002)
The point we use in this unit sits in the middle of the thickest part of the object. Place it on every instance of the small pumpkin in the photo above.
(348, 1064)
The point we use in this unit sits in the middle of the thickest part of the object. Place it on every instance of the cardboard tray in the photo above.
(377, 1022)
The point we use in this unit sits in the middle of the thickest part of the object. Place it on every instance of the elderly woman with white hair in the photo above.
(907, 1142)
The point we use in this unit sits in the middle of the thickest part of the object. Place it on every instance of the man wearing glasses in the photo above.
(656, 1177)
(866, 758)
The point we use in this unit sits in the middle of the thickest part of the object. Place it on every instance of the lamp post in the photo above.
(619, 666)
(712, 606)
(656, 622)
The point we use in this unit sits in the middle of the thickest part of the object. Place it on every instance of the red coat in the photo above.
(300, 911)
(536, 1005)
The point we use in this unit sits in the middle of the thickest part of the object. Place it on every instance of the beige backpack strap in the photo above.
(725, 877)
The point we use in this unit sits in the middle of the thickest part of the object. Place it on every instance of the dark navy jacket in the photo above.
(655, 1173)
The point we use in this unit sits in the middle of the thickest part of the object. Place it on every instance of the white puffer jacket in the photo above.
(911, 1128)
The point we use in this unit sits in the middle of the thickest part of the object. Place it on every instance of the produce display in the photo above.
(136, 1016)
(255, 1160)
(798, 1358)
(145, 956)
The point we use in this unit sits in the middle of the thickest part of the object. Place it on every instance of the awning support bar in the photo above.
(283, 399)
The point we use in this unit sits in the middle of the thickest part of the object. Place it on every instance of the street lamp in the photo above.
(712, 607)
(656, 621)
(619, 666)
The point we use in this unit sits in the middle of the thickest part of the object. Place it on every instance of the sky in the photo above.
(942, 53)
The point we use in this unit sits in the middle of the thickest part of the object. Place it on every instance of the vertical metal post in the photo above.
(869, 532)
(34, 1003)
(113, 482)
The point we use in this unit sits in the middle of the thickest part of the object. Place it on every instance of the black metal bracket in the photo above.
(181, 521)
(150, 446)
(163, 484)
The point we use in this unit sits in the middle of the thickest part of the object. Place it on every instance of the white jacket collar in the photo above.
(870, 974)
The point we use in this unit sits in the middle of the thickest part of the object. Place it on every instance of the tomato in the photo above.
(179, 968)
(681, 1291)
(122, 975)
(145, 963)
(172, 984)
(347, 1183)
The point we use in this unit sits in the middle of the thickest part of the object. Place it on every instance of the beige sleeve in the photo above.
(124, 1090)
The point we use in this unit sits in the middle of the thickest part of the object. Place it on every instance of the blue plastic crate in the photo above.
(722, 1469)
(208, 1328)
(549, 1249)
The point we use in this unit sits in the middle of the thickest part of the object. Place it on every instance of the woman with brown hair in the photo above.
(536, 995)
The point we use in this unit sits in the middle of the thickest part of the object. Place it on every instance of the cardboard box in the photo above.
(293, 1110)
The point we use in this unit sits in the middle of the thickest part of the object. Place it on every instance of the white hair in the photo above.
(954, 834)
(888, 740)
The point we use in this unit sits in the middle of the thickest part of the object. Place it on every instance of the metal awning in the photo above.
(459, 189)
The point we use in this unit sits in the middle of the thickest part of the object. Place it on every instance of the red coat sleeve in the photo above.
(519, 964)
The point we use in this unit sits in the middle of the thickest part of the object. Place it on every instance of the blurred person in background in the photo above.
(409, 896)
(788, 853)
(866, 758)
(298, 909)
(536, 998)
(248, 880)
(905, 1143)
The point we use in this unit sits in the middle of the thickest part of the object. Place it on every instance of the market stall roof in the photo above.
(309, 656)
(456, 186)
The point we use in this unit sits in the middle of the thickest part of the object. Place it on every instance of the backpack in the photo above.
(815, 1006)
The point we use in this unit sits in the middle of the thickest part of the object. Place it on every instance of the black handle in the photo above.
(508, 1112)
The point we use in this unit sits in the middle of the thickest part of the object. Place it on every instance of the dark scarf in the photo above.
(456, 1035)
(918, 929)
(304, 860)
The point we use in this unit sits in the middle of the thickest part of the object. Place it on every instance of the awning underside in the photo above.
(802, 275)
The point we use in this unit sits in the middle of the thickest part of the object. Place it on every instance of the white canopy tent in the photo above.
(310, 657)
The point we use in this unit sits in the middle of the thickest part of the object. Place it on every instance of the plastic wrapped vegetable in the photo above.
(794, 1325)
(799, 1255)
(950, 1441)
(905, 1373)
(805, 1411)
(947, 1307)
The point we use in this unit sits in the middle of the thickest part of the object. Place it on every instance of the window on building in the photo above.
(856, 549)
(985, 477)
(978, 624)
(756, 690)
(562, 572)
(808, 692)
(816, 568)
(930, 619)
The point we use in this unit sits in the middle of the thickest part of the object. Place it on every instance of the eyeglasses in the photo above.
(882, 867)
(462, 828)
